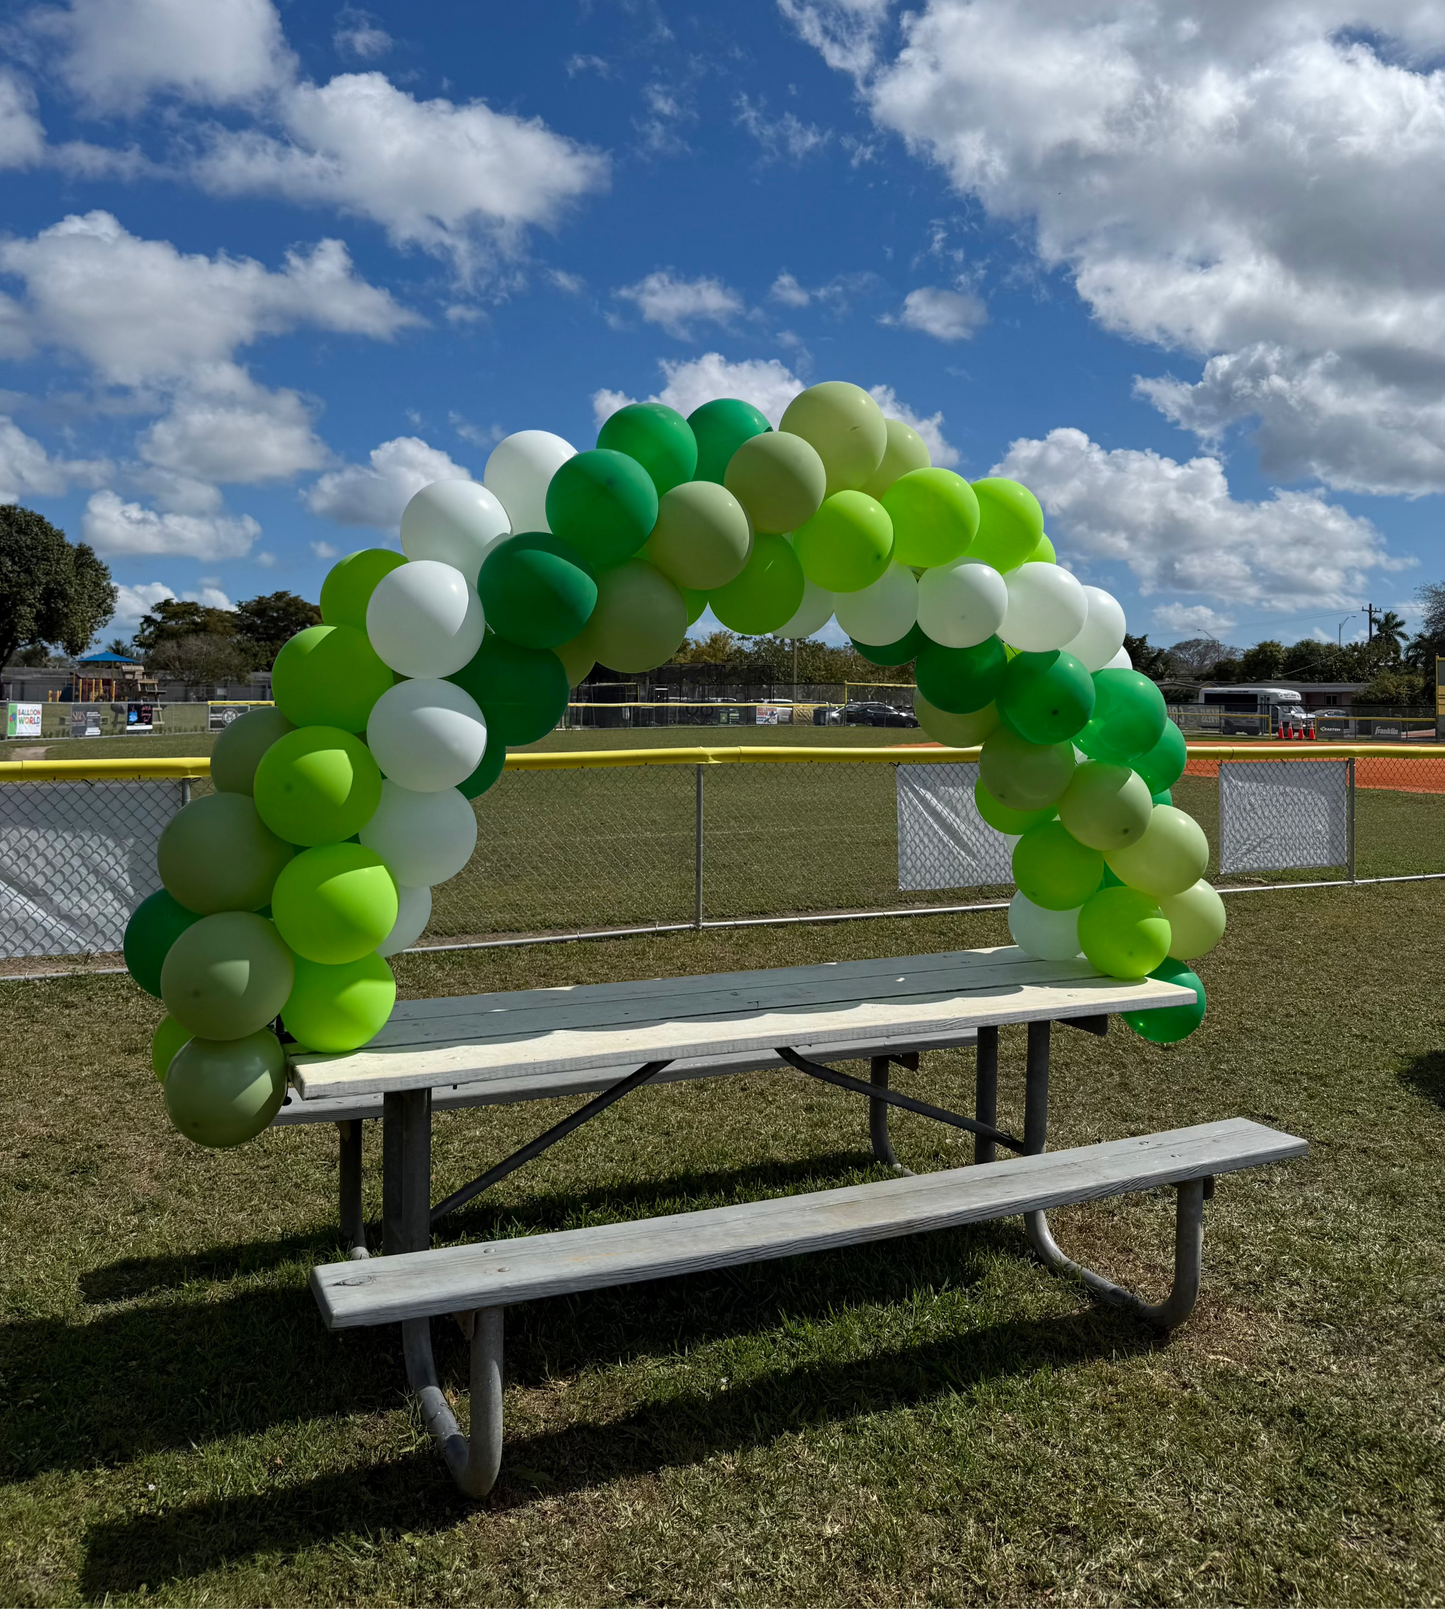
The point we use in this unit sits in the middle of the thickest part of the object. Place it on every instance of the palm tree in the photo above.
(1390, 629)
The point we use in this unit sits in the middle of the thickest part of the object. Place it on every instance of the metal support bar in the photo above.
(893, 1098)
(558, 1131)
(1036, 1090)
(1098, 1026)
(353, 1225)
(391, 1173)
(473, 1459)
(697, 856)
(878, 1116)
(416, 1170)
(985, 1091)
(1350, 818)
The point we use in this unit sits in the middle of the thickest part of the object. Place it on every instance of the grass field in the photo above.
(929, 1420)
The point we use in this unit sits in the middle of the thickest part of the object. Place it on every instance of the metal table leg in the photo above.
(986, 1092)
(353, 1225)
(878, 1117)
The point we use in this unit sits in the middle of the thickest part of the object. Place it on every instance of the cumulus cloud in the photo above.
(223, 427)
(111, 525)
(677, 304)
(28, 470)
(376, 493)
(942, 451)
(944, 314)
(1197, 619)
(133, 602)
(360, 35)
(22, 139)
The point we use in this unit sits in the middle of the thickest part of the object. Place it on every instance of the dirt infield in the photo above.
(1408, 774)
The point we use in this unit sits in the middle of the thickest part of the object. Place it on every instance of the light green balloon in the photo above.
(906, 450)
(767, 591)
(1106, 806)
(577, 657)
(218, 855)
(221, 1093)
(846, 427)
(1024, 776)
(935, 517)
(1054, 869)
(1043, 553)
(1123, 933)
(335, 903)
(165, 1042)
(847, 543)
(329, 676)
(702, 537)
(1010, 523)
(1013, 823)
(1170, 856)
(779, 480)
(349, 584)
(954, 731)
(239, 749)
(640, 618)
(227, 975)
(317, 785)
(1196, 921)
(339, 1008)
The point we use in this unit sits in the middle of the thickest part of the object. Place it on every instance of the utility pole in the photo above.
(1370, 611)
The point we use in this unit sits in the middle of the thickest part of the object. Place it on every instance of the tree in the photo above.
(174, 618)
(1428, 644)
(1200, 657)
(201, 659)
(1390, 630)
(1264, 662)
(1394, 685)
(1150, 661)
(51, 590)
(268, 621)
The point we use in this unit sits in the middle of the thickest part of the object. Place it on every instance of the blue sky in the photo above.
(269, 268)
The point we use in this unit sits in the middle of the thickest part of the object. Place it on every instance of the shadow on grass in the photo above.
(1425, 1074)
(135, 1277)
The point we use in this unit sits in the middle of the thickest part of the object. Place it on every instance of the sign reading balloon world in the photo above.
(337, 811)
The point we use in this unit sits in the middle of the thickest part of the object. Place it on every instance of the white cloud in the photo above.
(28, 470)
(1197, 619)
(324, 550)
(22, 139)
(942, 451)
(944, 314)
(359, 34)
(113, 526)
(375, 494)
(223, 427)
(786, 289)
(844, 32)
(785, 136)
(133, 602)
(676, 304)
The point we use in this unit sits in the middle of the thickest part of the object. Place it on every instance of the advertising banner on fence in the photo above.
(23, 720)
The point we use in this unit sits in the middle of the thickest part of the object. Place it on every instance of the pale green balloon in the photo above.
(239, 748)
(640, 618)
(1025, 776)
(954, 731)
(1106, 806)
(1169, 857)
(1196, 921)
(221, 1093)
(779, 479)
(227, 975)
(702, 537)
(906, 451)
(846, 427)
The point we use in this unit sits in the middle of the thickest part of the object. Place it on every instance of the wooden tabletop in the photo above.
(889, 1002)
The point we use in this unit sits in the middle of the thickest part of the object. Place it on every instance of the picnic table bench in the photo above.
(541, 1043)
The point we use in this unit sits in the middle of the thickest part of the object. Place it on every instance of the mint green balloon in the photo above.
(335, 903)
(340, 1008)
(329, 676)
(217, 854)
(1128, 720)
(658, 437)
(239, 748)
(221, 1093)
(1013, 823)
(1168, 857)
(846, 545)
(227, 976)
(766, 592)
(1055, 870)
(1024, 776)
(1106, 806)
(317, 785)
(1123, 933)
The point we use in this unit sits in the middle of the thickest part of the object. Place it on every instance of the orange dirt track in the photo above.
(1405, 775)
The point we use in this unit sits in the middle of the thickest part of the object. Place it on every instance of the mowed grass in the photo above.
(934, 1419)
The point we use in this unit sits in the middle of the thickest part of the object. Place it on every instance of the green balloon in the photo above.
(155, 924)
(696, 603)
(1196, 921)
(1164, 796)
(218, 855)
(348, 587)
(335, 903)
(165, 1042)
(778, 479)
(658, 437)
(221, 1093)
(1128, 720)
(846, 545)
(1010, 523)
(961, 680)
(1168, 857)
(537, 590)
(227, 976)
(1024, 776)
(720, 427)
(339, 1008)
(317, 785)
(1167, 1025)
(239, 749)
(1046, 698)
(1123, 933)
(954, 731)
(1106, 806)
(604, 504)
(640, 619)
(577, 656)
(903, 652)
(1012, 822)
(1054, 870)
(1043, 553)
(1163, 765)
(934, 514)
(906, 451)
(329, 676)
(846, 428)
(487, 772)
(523, 693)
(767, 591)
(702, 537)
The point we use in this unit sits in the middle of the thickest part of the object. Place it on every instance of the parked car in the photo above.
(873, 712)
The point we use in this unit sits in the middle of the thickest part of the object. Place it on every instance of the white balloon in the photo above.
(1045, 935)
(814, 612)
(1103, 633)
(424, 838)
(413, 912)
(1046, 608)
(520, 470)
(961, 604)
(455, 522)
(424, 619)
(883, 612)
(427, 735)
(1120, 661)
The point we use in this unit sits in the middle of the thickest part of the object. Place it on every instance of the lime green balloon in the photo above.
(903, 652)
(155, 924)
(1128, 720)
(1167, 1025)
(1163, 765)
(847, 429)
(1047, 697)
(1168, 857)
(658, 437)
(487, 772)
(720, 427)
(340, 1008)
(165, 1042)
(1043, 553)
(329, 676)
(522, 691)
(239, 748)
(935, 517)
(1010, 523)
(1123, 933)
(227, 976)
(218, 855)
(1106, 806)
(847, 543)
(767, 591)
(334, 903)
(1024, 776)
(640, 618)
(317, 785)
(348, 587)
(702, 537)
(604, 504)
(1012, 822)
(1054, 870)
(778, 479)
(905, 452)
(1196, 921)
(221, 1093)
(961, 680)
(696, 603)
(954, 731)
(537, 590)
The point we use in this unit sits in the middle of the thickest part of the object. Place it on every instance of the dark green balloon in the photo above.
(1164, 796)
(902, 652)
(658, 437)
(1128, 720)
(720, 427)
(960, 680)
(155, 924)
(487, 772)
(1164, 764)
(537, 590)
(604, 504)
(1169, 1024)
(1046, 698)
(523, 693)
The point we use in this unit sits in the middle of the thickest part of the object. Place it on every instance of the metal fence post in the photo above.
(185, 792)
(1350, 817)
(697, 857)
